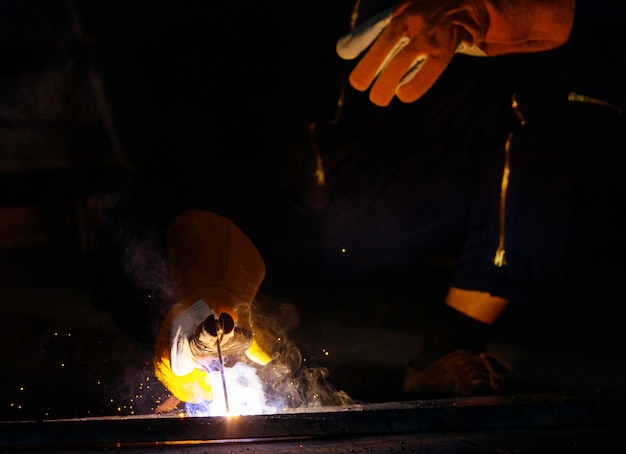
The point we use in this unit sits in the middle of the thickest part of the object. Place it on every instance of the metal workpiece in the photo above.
(502, 422)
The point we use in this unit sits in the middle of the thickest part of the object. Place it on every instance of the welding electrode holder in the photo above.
(231, 338)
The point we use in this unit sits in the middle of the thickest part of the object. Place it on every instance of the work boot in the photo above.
(458, 374)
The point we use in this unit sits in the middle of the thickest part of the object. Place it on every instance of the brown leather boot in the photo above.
(458, 374)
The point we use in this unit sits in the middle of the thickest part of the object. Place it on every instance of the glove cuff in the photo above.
(520, 26)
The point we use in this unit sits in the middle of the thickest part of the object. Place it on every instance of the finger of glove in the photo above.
(222, 325)
(226, 322)
(415, 68)
(440, 47)
(388, 58)
(418, 81)
(378, 58)
(354, 43)
(397, 69)
(210, 339)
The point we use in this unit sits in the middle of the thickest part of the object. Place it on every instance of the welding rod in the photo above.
(219, 355)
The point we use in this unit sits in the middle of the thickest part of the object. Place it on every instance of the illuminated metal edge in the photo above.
(557, 410)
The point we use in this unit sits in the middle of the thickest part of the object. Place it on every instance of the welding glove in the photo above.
(411, 44)
(219, 272)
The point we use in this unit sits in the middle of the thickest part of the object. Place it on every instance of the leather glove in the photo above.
(412, 43)
(219, 272)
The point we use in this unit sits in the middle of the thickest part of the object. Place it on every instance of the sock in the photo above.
(452, 331)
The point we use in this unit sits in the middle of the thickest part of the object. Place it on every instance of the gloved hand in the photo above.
(413, 42)
(219, 272)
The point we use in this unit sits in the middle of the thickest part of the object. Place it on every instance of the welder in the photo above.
(493, 123)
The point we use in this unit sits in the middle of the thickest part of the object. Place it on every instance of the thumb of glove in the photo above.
(354, 43)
